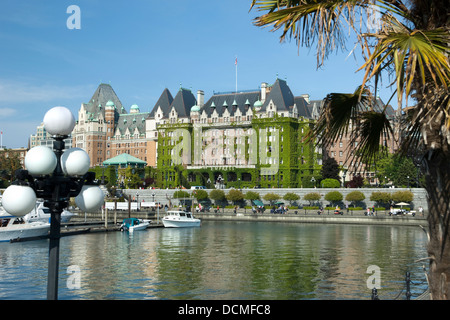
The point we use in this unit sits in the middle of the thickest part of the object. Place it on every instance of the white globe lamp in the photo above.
(40, 160)
(59, 121)
(18, 200)
(90, 198)
(75, 162)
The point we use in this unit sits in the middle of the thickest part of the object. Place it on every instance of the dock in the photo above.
(80, 227)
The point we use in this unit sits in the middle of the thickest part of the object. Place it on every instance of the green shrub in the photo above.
(330, 183)
(355, 196)
(403, 196)
(334, 196)
(312, 196)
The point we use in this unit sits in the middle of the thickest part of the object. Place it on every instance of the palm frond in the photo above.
(338, 112)
(310, 21)
(417, 56)
(354, 116)
(372, 128)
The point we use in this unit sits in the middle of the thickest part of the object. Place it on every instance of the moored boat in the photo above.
(180, 219)
(13, 228)
(134, 224)
(42, 214)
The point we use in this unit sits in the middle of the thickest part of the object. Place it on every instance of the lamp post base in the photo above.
(53, 256)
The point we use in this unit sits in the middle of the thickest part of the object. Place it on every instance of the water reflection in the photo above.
(222, 260)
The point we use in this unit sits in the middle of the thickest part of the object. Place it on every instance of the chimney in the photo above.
(200, 98)
(263, 91)
(306, 97)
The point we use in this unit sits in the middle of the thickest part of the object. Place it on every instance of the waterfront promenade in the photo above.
(302, 216)
(310, 217)
(166, 196)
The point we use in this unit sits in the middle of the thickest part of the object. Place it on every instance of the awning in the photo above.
(125, 160)
(258, 203)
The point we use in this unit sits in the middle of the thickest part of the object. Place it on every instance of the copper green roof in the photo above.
(124, 159)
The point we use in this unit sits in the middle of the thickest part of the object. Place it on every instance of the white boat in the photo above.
(14, 228)
(179, 219)
(42, 214)
(134, 224)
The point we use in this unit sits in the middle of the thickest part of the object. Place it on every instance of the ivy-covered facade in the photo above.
(256, 138)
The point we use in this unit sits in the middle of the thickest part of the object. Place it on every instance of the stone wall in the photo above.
(163, 195)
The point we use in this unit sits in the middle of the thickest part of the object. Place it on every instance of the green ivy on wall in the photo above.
(295, 163)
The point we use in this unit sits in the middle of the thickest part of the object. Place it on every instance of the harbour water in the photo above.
(223, 261)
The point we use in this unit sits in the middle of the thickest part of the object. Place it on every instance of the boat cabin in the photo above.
(180, 214)
(5, 221)
(131, 222)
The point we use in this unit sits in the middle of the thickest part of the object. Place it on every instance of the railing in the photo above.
(404, 291)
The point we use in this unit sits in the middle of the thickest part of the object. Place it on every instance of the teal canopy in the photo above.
(258, 203)
(125, 160)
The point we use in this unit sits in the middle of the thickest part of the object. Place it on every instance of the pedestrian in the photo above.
(421, 211)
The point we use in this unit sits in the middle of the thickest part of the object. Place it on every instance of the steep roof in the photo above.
(183, 102)
(302, 107)
(164, 101)
(230, 101)
(131, 121)
(281, 95)
(315, 108)
(100, 98)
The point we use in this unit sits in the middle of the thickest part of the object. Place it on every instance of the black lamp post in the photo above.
(54, 176)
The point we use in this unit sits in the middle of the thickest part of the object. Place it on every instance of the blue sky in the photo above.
(141, 47)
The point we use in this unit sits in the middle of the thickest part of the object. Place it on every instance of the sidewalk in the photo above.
(356, 217)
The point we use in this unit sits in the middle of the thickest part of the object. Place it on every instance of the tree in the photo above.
(402, 196)
(235, 195)
(200, 194)
(397, 168)
(180, 194)
(330, 169)
(217, 195)
(410, 44)
(290, 196)
(355, 196)
(311, 197)
(405, 172)
(251, 195)
(356, 182)
(334, 197)
(271, 197)
(380, 197)
(9, 163)
(132, 179)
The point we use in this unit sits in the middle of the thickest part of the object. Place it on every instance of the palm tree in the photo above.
(409, 42)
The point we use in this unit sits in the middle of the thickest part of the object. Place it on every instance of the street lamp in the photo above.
(137, 200)
(54, 176)
(313, 181)
(344, 175)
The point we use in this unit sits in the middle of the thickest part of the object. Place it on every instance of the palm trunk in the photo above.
(438, 188)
